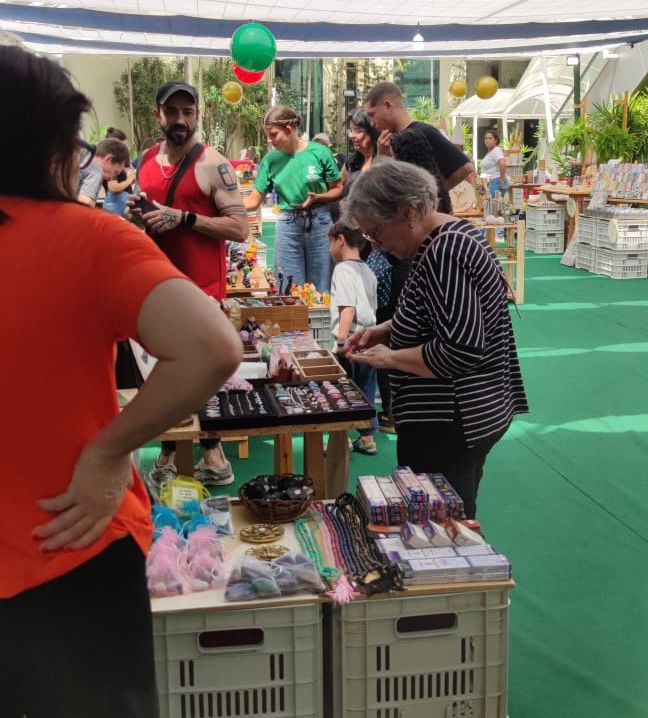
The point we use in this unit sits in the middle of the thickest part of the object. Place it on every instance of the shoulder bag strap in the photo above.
(180, 172)
(143, 158)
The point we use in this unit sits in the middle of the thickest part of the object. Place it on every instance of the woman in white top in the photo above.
(494, 164)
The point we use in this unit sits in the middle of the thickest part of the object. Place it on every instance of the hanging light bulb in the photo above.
(418, 40)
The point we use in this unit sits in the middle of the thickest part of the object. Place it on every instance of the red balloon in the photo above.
(249, 77)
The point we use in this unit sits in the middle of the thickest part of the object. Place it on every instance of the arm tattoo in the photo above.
(228, 210)
(228, 176)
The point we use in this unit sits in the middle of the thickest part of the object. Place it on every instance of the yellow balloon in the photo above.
(458, 88)
(232, 92)
(486, 87)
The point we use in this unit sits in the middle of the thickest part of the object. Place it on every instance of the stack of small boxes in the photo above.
(406, 496)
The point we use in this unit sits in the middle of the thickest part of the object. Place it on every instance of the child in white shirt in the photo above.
(353, 305)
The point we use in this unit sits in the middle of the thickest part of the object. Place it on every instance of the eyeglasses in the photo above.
(86, 153)
(356, 132)
(372, 235)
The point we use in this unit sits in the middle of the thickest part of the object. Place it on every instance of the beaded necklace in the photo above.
(310, 547)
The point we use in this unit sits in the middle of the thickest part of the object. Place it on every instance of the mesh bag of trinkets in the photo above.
(277, 498)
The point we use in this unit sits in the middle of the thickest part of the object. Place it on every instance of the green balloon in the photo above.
(253, 47)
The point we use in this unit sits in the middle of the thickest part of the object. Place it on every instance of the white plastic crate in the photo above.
(264, 662)
(585, 257)
(442, 656)
(319, 324)
(586, 230)
(542, 242)
(550, 218)
(622, 235)
(518, 197)
(621, 265)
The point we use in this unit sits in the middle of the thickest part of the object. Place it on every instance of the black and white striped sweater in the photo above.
(454, 304)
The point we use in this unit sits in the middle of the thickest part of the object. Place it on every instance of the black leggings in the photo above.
(81, 646)
(436, 446)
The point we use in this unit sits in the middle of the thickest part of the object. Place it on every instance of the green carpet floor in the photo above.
(564, 496)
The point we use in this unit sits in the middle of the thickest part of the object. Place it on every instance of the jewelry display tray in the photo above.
(276, 416)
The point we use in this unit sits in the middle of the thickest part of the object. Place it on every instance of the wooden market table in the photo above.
(258, 283)
(626, 200)
(522, 186)
(578, 194)
(510, 253)
(329, 471)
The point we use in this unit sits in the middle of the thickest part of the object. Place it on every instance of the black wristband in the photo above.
(190, 220)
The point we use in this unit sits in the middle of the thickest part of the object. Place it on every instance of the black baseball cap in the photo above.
(170, 88)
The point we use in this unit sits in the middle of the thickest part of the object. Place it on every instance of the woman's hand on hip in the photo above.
(85, 509)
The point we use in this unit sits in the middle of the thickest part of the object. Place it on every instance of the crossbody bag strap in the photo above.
(180, 172)
(143, 157)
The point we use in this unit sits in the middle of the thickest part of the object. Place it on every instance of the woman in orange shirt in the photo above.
(74, 516)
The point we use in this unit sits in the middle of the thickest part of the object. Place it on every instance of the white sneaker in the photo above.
(212, 476)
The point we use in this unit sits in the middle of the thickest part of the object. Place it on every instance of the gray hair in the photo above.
(387, 189)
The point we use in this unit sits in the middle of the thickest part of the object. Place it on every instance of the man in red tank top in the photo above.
(207, 211)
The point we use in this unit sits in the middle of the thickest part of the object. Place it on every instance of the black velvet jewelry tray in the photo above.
(236, 420)
(276, 415)
(319, 417)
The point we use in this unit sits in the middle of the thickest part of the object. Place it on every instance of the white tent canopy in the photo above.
(309, 28)
(544, 92)
(527, 100)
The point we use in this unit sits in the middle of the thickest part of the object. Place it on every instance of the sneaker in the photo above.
(365, 447)
(161, 473)
(212, 476)
(386, 424)
(154, 479)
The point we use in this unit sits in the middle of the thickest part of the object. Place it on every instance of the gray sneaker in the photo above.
(159, 474)
(212, 476)
(156, 477)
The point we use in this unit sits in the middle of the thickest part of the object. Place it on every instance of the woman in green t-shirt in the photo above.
(305, 178)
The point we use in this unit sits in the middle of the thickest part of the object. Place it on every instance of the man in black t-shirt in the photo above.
(385, 105)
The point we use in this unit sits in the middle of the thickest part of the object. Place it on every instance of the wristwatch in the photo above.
(189, 219)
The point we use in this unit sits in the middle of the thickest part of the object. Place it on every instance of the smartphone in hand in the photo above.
(145, 205)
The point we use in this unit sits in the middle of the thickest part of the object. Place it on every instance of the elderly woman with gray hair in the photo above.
(449, 348)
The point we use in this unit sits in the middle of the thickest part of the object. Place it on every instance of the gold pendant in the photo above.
(261, 533)
(267, 553)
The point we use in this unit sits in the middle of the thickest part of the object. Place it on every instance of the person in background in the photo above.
(494, 164)
(75, 614)
(110, 158)
(449, 348)
(118, 189)
(364, 138)
(385, 105)
(306, 179)
(146, 144)
(353, 306)
(207, 211)
(323, 139)
(411, 145)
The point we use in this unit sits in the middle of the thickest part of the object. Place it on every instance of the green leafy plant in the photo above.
(562, 163)
(226, 125)
(607, 123)
(425, 110)
(572, 138)
(613, 142)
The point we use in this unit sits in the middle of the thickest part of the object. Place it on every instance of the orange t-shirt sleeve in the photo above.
(130, 265)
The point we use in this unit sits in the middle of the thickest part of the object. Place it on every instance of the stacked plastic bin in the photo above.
(615, 247)
(545, 231)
